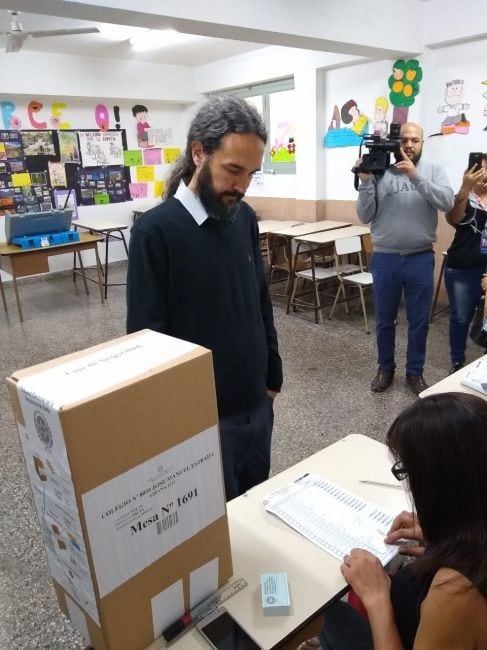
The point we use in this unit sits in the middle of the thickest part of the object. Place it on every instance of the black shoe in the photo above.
(416, 383)
(382, 380)
(455, 367)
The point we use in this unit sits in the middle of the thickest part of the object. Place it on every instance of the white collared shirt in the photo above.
(192, 203)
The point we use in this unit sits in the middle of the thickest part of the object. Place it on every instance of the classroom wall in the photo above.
(323, 184)
(276, 62)
(46, 73)
(80, 114)
(82, 82)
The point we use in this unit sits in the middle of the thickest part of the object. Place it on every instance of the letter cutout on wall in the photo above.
(102, 117)
(57, 114)
(8, 109)
(116, 112)
(35, 106)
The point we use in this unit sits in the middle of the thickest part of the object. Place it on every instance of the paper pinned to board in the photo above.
(476, 376)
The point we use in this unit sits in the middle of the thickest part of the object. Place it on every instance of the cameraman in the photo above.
(402, 209)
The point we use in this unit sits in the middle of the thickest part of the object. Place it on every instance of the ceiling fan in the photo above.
(16, 36)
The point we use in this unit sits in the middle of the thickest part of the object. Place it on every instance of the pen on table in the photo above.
(391, 485)
(193, 616)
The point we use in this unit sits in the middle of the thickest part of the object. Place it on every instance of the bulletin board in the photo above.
(34, 164)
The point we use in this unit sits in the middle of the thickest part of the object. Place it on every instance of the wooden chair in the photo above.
(281, 261)
(319, 272)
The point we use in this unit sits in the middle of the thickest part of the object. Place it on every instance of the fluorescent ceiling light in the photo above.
(153, 38)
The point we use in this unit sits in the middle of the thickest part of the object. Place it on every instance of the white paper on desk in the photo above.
(331, 517)
(476, 377)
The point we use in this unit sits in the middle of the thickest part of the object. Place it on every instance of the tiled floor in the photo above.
(326, 395)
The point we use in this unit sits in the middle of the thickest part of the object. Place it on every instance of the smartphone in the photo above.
(475, 158)
(224, 633)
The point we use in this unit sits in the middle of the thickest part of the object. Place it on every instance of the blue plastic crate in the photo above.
(46, 239)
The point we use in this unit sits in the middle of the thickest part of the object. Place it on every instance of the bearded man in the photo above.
(402, 209)
(195, 272)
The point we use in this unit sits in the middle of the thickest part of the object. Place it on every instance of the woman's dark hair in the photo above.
(218, 116)
(442, 442)
(345, 112)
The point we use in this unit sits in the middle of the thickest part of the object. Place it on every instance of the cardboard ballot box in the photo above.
(122, 450)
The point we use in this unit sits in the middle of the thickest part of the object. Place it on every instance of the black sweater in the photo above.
(206, 284)
(464, 251)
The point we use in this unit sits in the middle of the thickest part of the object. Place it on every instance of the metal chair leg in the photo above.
(362, 300)
(2, 291)
(437, 290)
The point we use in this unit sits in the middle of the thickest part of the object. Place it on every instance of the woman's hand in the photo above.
(471, 177)
(406, 527)
(366, 575)
(484, 283)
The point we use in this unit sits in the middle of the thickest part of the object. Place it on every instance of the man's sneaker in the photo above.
(455, 367)
(416, 383)
(382, 380)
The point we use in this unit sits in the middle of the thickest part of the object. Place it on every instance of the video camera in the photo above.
(379, 157)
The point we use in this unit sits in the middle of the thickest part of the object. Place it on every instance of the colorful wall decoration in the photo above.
(404, 87)
(356, 126)
(140, 112)
(456, 120)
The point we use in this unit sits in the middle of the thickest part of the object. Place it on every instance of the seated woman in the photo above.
(466, 258)
(438, 601)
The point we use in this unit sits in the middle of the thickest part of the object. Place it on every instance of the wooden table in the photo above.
(262, 543)
(270, 225)
(317, 243)
(266, 228)
(283, 238)
(308, 228)
(106, 230)
(23, 262)
(330, 236)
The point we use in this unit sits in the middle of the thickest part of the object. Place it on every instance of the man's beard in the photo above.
(213, 202)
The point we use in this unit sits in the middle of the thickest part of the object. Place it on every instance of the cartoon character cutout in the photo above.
(351, 113)
(455, 121)
(283, 148)
(140, 112)
(346, 136)
(380, 113)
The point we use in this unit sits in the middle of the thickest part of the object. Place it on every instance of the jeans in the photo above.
(246, 448)
(464, 292)
(394, 275)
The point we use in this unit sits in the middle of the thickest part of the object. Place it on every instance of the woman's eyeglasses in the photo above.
(398, 471)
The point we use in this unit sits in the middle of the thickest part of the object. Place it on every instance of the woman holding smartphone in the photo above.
(466, 260)
(439, 600)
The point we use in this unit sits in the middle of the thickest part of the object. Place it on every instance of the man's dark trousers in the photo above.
(394, 274)
(246, 448)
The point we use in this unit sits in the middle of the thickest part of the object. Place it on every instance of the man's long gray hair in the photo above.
(218, 116)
